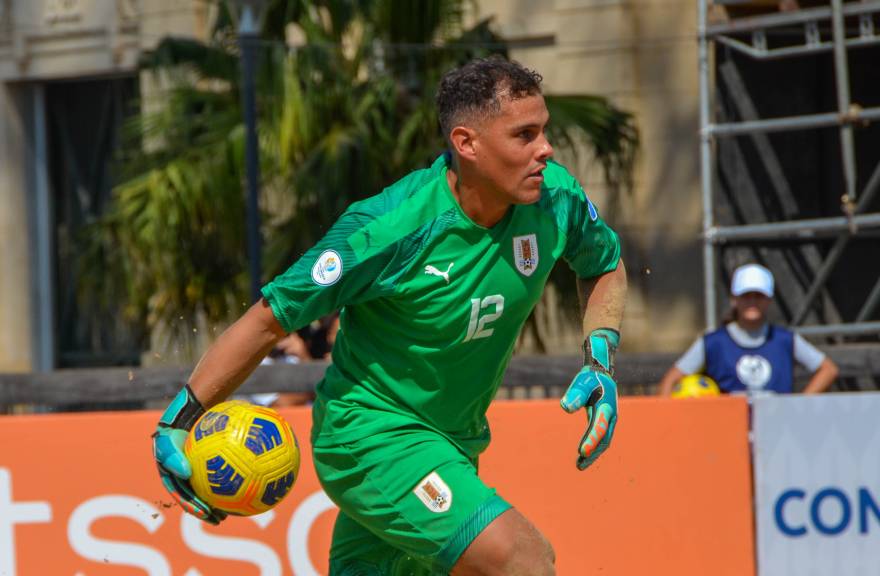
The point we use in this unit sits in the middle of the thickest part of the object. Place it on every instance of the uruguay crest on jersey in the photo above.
(525, 254)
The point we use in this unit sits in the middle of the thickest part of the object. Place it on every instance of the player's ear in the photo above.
(463, 141)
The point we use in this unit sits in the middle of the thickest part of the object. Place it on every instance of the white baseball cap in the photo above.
(752, 278)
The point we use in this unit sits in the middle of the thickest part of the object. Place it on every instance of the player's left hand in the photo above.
(597, 393)
(594, 389)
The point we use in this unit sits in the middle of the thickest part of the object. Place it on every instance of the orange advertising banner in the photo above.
(79, 495)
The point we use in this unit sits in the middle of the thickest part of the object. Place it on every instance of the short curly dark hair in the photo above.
(477, 89)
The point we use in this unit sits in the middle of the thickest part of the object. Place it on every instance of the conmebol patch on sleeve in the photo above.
(327, 268)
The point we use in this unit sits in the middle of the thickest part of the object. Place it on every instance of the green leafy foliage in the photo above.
(341, 116)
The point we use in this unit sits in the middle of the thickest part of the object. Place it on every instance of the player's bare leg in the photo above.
(509, 546)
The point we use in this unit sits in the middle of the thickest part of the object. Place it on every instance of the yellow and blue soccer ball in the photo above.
(245, 458)
(695, 386)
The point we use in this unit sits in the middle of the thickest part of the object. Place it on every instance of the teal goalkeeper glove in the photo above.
(594, 388)
(174, 468)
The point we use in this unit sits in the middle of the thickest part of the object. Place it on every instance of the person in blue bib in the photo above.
(749, 355)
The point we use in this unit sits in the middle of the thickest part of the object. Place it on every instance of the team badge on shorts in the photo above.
(525, 254)
(327, 268)
(434, 493)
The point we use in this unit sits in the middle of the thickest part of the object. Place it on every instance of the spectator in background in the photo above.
(313, 342)
(291, 349)
(319, 337)
(748, 355)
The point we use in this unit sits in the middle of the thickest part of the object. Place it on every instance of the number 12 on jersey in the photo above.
(478, 326)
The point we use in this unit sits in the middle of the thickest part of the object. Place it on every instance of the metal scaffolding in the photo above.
(806, 32)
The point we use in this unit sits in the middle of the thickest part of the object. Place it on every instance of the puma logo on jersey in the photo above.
(435, 272)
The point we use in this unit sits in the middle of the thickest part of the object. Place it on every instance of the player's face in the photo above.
(512, 150)
(751, 307)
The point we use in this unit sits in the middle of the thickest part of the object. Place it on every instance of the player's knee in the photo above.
(525, 556)
(538, 558)
(540, 563)
(509, 550)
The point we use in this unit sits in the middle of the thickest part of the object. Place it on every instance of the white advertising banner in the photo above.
(817, 484)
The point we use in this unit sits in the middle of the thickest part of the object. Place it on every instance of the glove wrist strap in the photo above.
(599, 349)
(183, 411)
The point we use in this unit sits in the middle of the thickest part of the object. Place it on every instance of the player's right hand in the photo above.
(174, 468)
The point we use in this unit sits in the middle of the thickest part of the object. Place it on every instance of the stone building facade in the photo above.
(641, 54)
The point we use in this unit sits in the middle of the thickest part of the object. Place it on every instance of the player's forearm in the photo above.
(822, 378)
(672, 376)
(235, 354)
(603, 299)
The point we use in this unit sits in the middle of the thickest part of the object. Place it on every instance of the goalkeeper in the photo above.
(435, 277)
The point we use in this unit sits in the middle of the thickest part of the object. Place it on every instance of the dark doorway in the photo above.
(84, 120)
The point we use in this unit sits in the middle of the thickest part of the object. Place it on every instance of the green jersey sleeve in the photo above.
(333, 273)
(592, 248)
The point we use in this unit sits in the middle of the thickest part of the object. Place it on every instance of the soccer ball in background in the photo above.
(245, 458)
(695, 386)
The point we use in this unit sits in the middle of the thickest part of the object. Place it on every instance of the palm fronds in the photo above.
(341, 117)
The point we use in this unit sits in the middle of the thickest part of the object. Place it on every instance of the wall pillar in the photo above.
(16, 294)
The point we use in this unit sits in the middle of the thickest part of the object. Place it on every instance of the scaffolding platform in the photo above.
(790, 158)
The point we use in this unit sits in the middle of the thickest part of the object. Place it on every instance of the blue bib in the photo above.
(767, 368)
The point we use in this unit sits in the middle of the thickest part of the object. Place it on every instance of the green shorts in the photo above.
(410, 500)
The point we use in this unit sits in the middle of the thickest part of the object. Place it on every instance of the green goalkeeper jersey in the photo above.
(431, 302)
